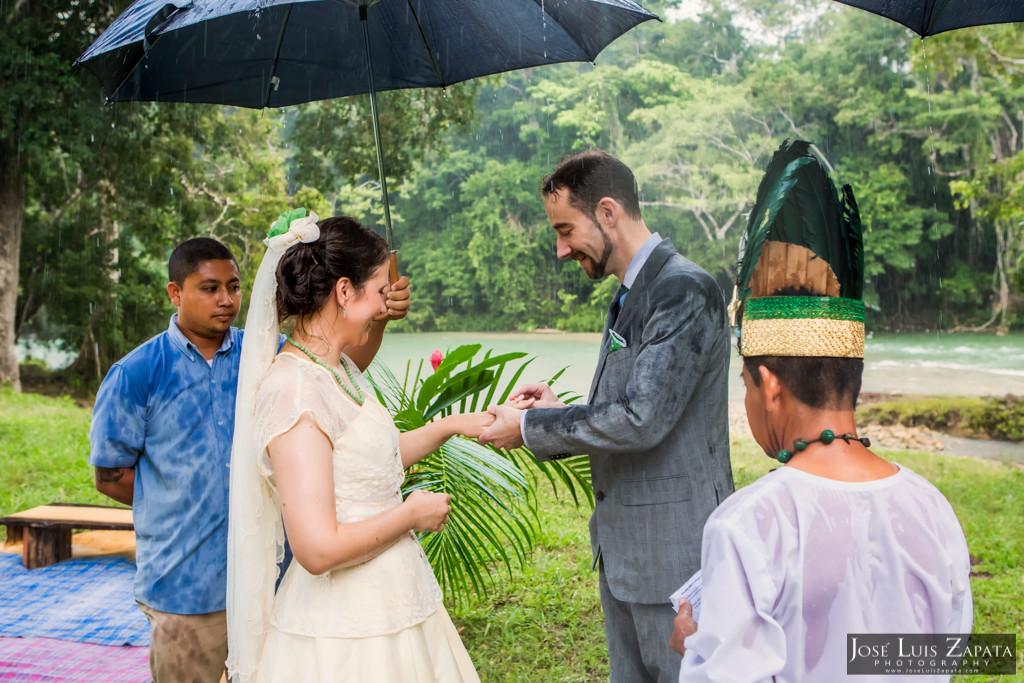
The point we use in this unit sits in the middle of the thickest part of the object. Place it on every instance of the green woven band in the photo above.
(803, 307)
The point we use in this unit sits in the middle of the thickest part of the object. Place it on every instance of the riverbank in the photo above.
(918, 427)
(968, 417)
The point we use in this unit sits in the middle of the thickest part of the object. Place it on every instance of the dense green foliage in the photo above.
(697, 112)
(967, 416)
(543, 623)
(927, 133)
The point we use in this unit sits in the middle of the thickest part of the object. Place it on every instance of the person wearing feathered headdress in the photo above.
(838, 540)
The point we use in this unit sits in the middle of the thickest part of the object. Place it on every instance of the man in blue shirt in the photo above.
(161, 442)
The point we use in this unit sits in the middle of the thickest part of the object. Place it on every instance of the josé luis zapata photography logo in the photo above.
(931, 653)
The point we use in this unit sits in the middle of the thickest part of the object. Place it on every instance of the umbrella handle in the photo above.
(392, 276)
(393, 267)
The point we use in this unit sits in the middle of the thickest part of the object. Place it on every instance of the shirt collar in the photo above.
(190, 349)
(639, 259)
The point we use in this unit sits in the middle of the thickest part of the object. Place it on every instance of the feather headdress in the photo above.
(800, 274)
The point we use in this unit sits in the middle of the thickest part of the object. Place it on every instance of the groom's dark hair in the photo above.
(591, 175)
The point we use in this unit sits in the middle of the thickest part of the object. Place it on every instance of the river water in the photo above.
(931, 364)
(928, 364)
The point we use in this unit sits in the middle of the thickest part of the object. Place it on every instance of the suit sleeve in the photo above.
(682, 335)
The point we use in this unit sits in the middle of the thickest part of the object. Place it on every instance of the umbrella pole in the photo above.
(380, 155)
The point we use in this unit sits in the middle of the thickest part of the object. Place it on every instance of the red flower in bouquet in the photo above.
(435, 359)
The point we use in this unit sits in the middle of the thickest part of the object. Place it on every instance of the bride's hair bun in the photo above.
(308, 272)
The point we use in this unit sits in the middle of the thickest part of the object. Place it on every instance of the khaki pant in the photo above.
(187, 648)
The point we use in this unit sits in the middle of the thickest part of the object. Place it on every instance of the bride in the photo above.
(314, 447)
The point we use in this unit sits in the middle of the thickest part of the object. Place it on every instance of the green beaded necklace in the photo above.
(827, 437)
(358, 397)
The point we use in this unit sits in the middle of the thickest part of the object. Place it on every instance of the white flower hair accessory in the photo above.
(291, 227)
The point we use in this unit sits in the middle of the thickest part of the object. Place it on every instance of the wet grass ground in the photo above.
(543, 622)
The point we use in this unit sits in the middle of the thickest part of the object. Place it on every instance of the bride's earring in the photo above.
(344, 311)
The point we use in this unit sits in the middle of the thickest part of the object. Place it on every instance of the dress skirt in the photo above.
(429, 652)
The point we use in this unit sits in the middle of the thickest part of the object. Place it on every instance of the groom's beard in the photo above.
(598, 268)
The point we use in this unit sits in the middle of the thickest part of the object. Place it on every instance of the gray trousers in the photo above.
(637, 636)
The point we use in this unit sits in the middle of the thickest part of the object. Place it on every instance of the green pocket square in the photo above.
(617, 342)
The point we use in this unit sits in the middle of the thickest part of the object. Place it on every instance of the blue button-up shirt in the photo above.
(167, 412)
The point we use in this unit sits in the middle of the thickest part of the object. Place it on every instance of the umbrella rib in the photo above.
(544, 10)
(277, 54)
(426, 43)
(145, 50)
(128, 75)
(934, 12)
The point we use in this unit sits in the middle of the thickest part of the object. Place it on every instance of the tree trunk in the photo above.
(12, 198)
(1002, 284)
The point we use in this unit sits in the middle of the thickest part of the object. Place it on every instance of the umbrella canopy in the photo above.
(272, 53)
(928, 17)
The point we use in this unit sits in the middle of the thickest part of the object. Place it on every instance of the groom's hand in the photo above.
(538, 395)
(504, 433)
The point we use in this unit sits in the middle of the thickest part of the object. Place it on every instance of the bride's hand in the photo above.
(429, 510)
(471, 425)
(520, 402)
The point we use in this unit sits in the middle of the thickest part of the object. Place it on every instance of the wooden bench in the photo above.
(45, 531)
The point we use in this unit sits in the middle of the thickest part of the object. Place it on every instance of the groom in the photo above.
(656, 424)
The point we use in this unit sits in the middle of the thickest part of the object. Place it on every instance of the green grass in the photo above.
(543, 622)
(44, 453)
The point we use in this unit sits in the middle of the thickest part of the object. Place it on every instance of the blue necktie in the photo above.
(620, 298)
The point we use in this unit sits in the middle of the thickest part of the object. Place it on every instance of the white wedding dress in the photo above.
(382, 620)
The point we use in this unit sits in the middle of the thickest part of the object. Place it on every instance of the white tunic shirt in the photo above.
(794, 562)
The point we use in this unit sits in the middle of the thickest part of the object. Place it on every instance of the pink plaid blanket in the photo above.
(46, 660)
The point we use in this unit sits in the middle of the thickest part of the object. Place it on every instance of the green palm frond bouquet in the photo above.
(494, 520)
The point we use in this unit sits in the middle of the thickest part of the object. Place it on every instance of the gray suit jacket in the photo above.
(655, 427)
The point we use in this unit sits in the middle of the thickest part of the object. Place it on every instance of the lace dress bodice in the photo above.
(392, 591)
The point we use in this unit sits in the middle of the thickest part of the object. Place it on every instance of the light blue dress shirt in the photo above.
(165, 411)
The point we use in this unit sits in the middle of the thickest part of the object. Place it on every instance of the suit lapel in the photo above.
(631, 308)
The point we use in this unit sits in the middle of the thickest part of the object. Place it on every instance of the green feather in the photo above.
(797, 203)
(854, 241)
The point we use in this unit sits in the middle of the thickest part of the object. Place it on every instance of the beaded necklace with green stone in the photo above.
(359, 397)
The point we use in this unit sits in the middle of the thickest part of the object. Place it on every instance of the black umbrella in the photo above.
(273, 53)
(928, 17)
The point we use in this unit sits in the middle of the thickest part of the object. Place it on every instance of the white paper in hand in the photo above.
(690, 591)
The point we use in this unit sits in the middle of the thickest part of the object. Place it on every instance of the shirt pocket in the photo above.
(656, 491)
